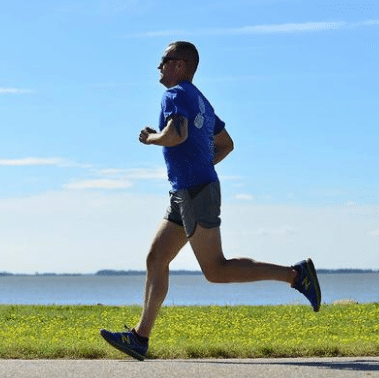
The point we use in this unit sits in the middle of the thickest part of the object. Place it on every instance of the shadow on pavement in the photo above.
(354, 365)
(358, 365)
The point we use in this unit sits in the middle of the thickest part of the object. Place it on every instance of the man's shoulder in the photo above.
(181, 88)
(180, 92)
(173, 92)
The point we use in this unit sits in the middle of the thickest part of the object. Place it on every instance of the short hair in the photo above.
(188, 52)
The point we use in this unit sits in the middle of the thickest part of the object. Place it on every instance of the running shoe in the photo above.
(126, 342)
(307, 283)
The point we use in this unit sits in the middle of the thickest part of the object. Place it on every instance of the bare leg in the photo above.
(169, 240)
(206, 244)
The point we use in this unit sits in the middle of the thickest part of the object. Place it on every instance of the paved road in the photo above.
(233, 368)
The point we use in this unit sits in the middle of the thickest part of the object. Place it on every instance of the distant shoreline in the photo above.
(110, 272)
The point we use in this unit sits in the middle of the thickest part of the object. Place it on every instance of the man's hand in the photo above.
(223, 145)
(145, 133)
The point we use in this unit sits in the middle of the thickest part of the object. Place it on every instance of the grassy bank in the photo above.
(193, 332)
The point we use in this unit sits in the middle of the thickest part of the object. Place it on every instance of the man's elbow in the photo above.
(176, 140)
(181, 140)
(231, 146)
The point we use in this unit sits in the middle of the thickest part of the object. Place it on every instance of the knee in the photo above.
(152, 259)
(215, 273)
(156, 258)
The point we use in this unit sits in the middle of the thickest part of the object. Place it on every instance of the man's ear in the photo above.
(180, 65)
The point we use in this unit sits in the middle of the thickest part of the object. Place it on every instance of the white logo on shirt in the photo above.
(201, 105)
(199, 120)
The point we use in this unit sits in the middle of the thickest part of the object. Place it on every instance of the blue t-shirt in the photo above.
(190, 163)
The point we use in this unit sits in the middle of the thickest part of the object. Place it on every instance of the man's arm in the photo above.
(223, 145)
(174, 133)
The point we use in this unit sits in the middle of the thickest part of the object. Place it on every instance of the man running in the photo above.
(194, 140)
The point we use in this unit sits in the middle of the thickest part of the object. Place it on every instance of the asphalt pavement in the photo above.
(213, 368)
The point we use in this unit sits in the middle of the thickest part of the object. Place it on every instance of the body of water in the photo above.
(184, 290)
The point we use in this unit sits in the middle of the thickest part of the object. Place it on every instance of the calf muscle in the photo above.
(206, 244)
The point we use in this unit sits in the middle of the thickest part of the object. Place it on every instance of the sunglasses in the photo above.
(166, 59)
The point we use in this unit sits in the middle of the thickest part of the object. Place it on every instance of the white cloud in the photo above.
(109, 179)
(35, 161)
(258, 29)
(244, 197)
(29, 161)
(365, 23)
(99, 184)
(278, 28)
(281, 231)
(136, 173)
(229, 178)
(15, 91)
(117, 178)
(327, 192)
(351, 203)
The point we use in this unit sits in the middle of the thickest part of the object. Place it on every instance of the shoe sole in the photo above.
(312, 271)
(121, 348)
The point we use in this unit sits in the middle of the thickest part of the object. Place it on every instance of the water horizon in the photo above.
(132, 272)
(185, 289)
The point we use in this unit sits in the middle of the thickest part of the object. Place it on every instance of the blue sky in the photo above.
(295, 81)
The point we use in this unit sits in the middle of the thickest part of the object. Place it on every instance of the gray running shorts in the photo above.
(199, 205)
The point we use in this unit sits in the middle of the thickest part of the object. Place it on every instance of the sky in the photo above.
(295, 81)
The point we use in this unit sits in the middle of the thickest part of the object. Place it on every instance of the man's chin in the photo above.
(162, 81)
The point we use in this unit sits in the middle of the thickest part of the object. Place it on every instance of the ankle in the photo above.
(294, 277)
(140, 339)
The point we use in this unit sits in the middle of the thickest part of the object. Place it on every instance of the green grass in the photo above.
(193, 332)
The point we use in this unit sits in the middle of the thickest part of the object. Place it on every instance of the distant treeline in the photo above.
(3, 274)
(196, 272)
(346, 271)
(106, 272)
(142, 272)
(110, 272)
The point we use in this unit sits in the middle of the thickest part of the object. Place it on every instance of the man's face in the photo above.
(169, 69)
